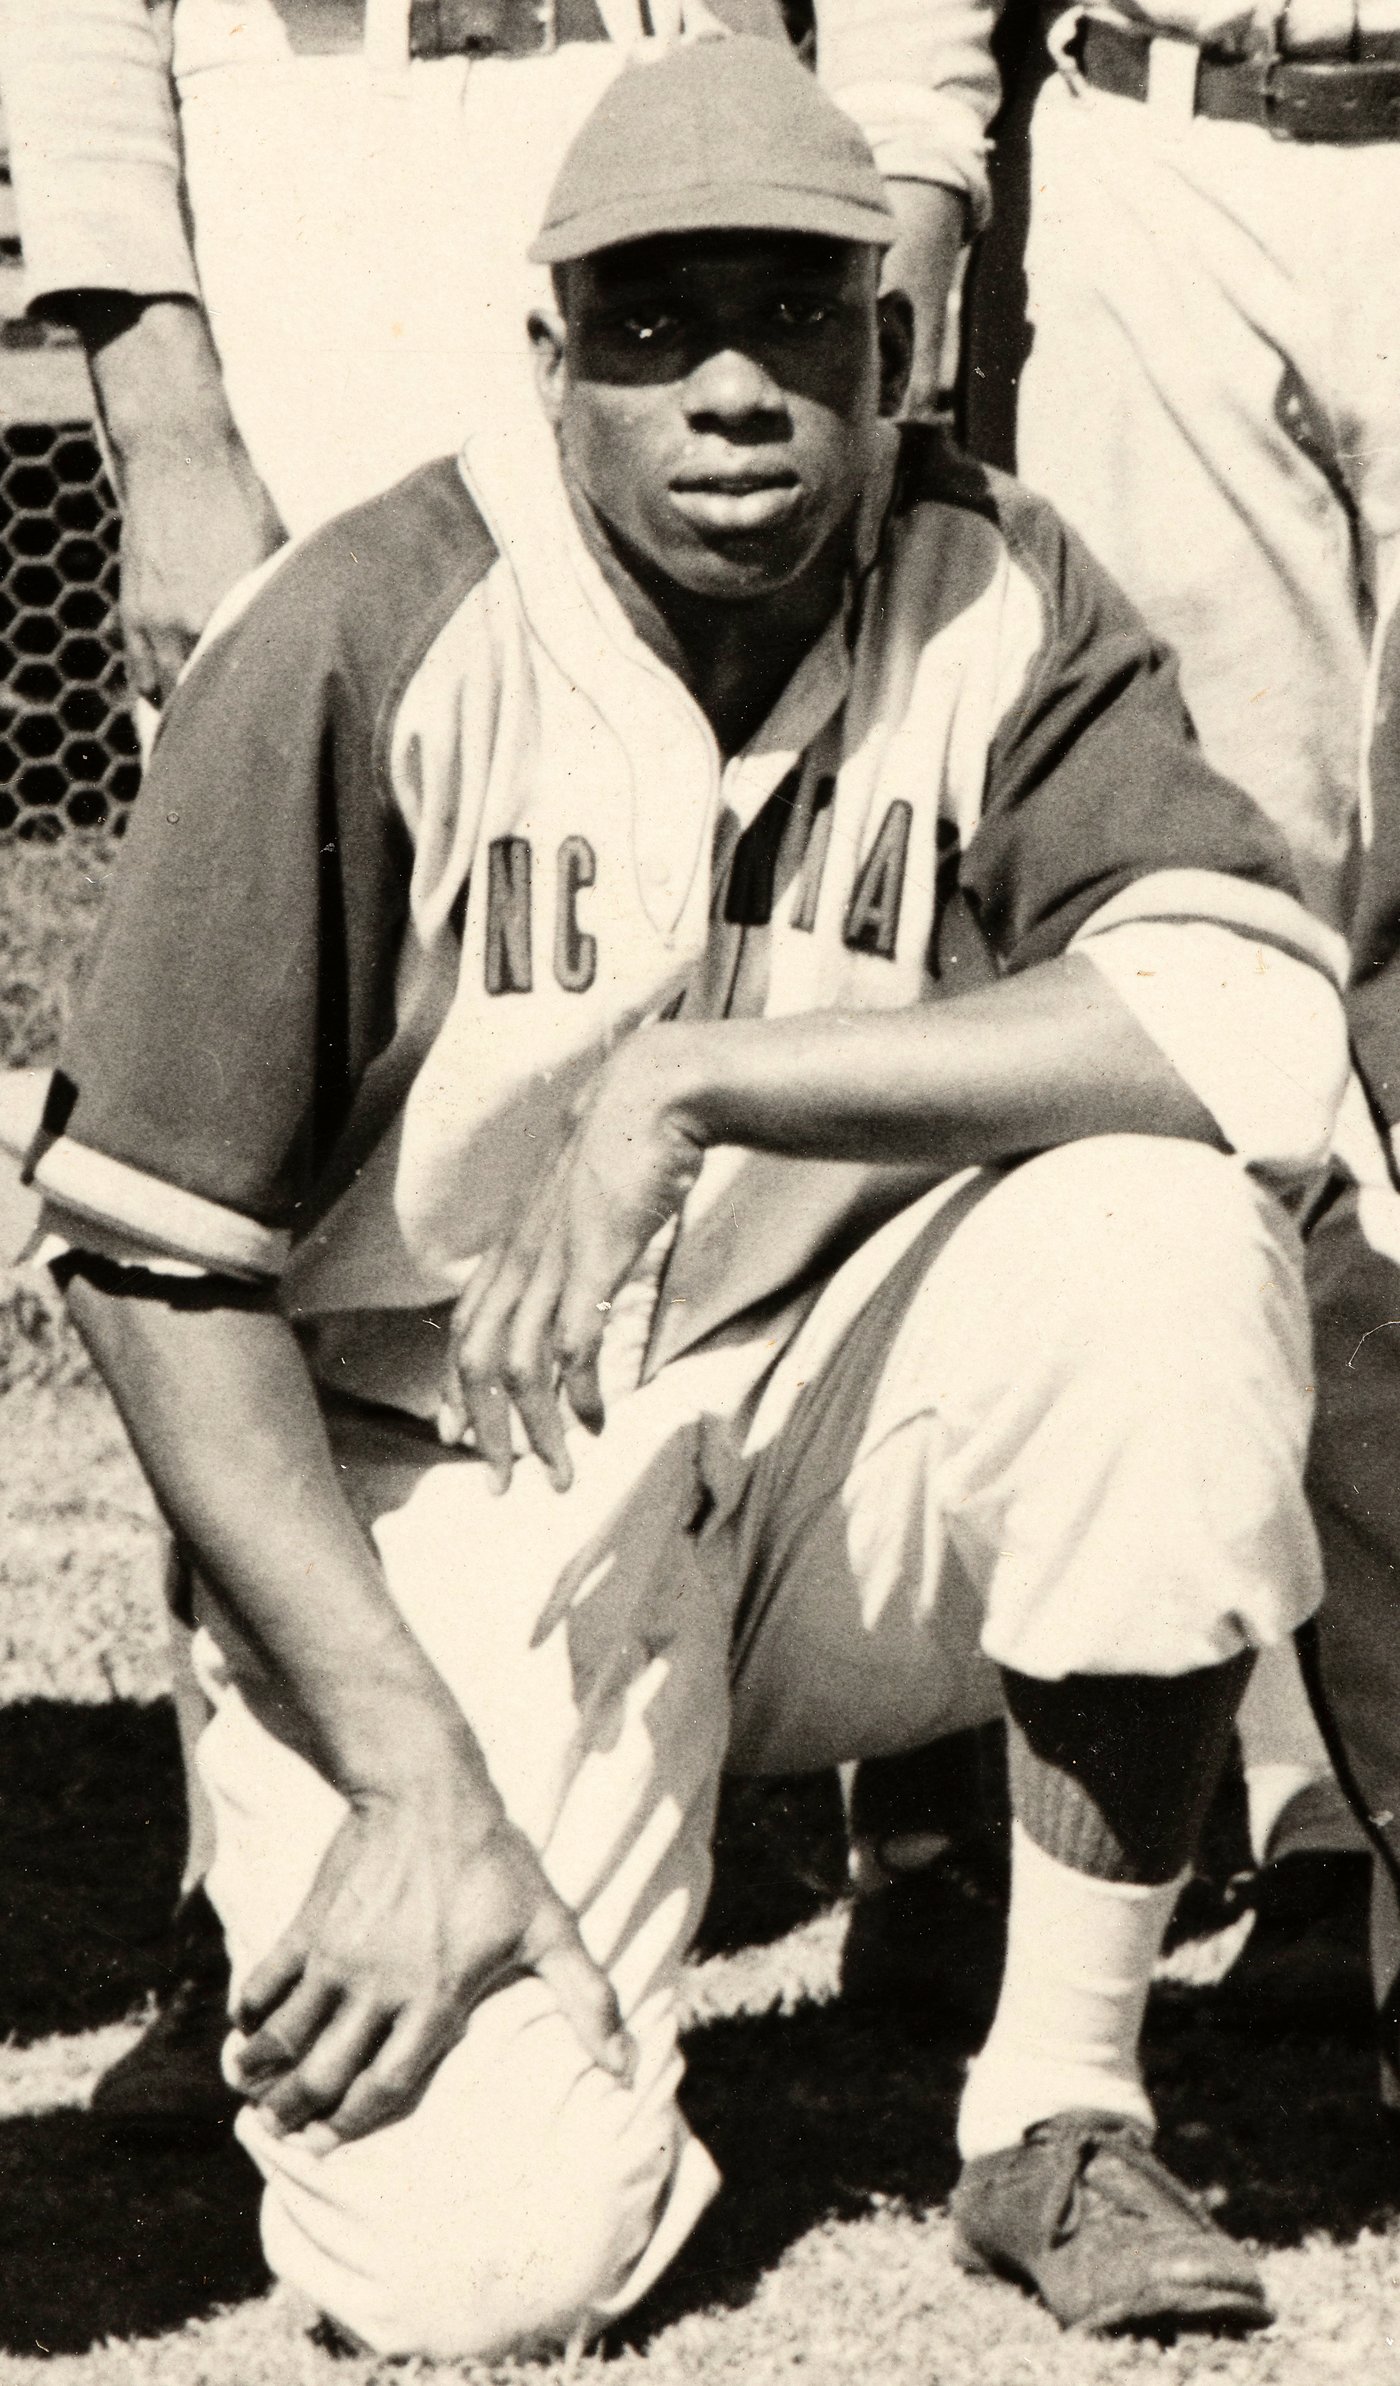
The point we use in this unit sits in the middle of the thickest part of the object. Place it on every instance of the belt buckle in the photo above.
(482, 28)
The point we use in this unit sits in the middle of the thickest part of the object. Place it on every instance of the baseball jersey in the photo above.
(429, 826)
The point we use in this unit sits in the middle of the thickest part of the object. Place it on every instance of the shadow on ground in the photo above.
(90, 1854)
(101, 2239)
(817, 2115)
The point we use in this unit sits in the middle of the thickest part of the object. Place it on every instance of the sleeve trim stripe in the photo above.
(1264, 912)
(90, 1185)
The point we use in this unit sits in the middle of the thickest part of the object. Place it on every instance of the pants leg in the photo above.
(529, 2195)
(1067, 1435)
(1178, 407)
(361, 243)
(1354, 1283)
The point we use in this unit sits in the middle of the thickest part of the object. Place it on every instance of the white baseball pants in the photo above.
(360, 236)
(1054, 1419)
(1212, 401)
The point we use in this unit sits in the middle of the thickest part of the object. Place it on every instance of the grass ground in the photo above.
(826, 2258)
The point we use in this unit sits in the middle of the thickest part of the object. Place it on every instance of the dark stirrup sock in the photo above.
(1111, 1774)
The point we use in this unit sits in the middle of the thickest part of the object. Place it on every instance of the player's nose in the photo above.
(728, 387)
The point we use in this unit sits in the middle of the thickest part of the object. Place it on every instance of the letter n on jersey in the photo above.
(508, 962)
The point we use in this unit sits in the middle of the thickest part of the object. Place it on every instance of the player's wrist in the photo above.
(427, 1766)
(661, 1081)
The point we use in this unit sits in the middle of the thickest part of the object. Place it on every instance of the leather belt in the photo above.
(499, 28)
(1295, 99)
(447, 28)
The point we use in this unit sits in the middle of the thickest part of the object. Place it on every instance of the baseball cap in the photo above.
(722, 134)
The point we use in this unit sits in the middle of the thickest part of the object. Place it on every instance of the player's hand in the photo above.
(195, 515)
(413, 1918)
(192, 525)
(531, 1322)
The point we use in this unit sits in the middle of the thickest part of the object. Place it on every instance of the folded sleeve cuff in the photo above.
(96, 1203)
(94, 150)
(1257, 1032)
(106, 230)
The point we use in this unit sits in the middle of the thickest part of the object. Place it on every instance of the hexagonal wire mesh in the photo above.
(68, 751)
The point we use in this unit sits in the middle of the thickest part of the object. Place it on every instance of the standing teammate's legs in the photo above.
(1217, 304)
(1194, 405)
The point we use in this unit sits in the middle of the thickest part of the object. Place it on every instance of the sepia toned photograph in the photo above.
(699, 1192)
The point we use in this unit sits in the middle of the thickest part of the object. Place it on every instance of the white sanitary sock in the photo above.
(1079, 1960)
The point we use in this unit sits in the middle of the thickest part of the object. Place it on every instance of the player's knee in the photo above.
(498, 2218)
(521, 2270)
(524, 2277)
(1167, 1263)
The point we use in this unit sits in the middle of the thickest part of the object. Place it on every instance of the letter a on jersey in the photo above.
(872, 915)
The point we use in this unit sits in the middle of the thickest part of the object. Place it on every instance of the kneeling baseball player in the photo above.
(674, 1155)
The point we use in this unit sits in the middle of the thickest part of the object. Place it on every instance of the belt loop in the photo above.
(1063, 43)
(1172, 68)
(386, 36)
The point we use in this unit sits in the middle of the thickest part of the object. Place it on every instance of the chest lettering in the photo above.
(872, 915)
(509, 939)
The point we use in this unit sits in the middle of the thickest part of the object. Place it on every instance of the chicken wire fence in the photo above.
(68, 751)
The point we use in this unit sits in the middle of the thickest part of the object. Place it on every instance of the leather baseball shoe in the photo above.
(169, 2085)
(1082, 2211)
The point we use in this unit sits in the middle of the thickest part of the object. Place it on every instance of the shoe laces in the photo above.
(1129, 2180)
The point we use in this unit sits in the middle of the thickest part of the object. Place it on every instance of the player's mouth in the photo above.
(735, 503)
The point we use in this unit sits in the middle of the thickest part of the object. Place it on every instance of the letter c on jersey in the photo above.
(575, 951)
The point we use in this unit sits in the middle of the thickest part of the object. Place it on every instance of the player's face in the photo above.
(717, 395)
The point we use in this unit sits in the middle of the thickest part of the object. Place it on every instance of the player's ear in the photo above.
(896, 333)
(548, 339)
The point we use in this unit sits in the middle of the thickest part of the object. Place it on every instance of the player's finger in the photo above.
(285, 2036)
(453, 1412)
(388, 2087)
(585, 1304)
(472, 1297)
(275, 1978)
(584, 1994)
(585, 1394)
(328, 2070)
(531, 1373)
(479, 1360)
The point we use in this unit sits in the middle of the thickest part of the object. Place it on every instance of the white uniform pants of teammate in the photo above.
(1212, 399)
(360, 232)
(1054, 1419)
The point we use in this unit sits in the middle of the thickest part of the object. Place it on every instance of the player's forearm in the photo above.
(1037, 1060)
(156, 378)
(932, 225)
(225, 1421)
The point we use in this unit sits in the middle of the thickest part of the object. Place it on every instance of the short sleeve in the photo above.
(1095, 780)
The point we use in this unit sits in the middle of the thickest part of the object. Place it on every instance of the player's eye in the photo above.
(801, 314)
(648, 325)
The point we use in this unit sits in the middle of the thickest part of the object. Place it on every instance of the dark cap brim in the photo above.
(758, 208)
